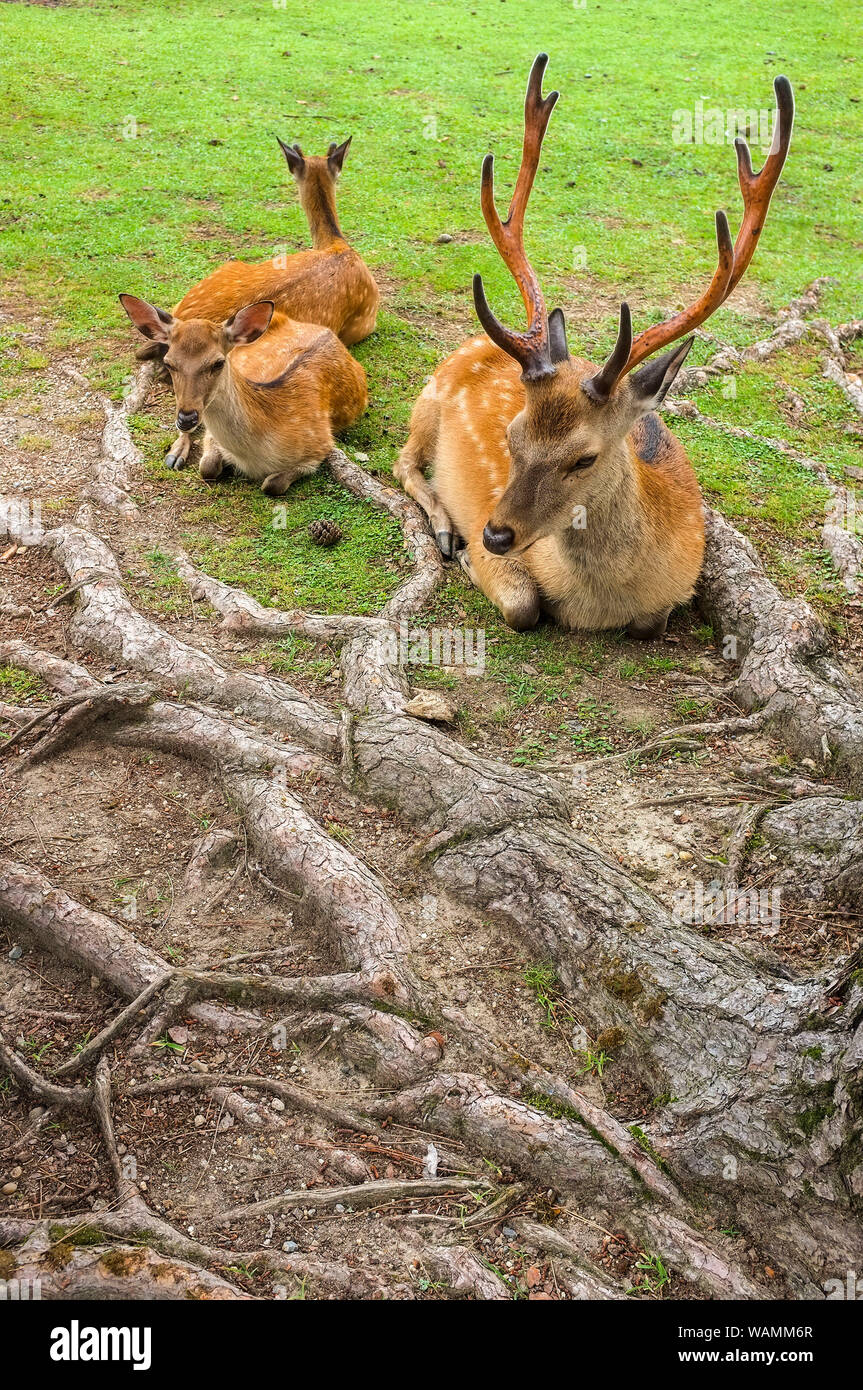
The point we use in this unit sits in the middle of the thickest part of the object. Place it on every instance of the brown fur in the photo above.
(331, 285)
(271, 399)
(499, 450)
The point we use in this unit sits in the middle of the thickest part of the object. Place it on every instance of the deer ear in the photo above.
(248, 324)
(336, 156)
(652, 383)
(152, 322)
(557, 344)
(294, 155)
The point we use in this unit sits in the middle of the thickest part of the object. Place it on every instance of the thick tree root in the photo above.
(785, 665)
(757, 1078)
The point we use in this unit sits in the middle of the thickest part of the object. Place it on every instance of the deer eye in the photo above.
(216, 366)
(579, 464)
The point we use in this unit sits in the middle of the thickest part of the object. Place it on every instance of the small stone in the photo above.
(277, 1104)
(9, 1188)
(290, 1246)
(509, 1232)
(16, 1172)
(443, 240)
(428, 704)
(16, 953)
(199, 1120)
(339, 1206)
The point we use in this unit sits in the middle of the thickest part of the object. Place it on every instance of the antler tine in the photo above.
(530, 349)
(649, 340)
(757, 190)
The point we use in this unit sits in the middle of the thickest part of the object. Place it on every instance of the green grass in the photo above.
(234, 534)
(91, 210)
(139, 152)
(17, 686)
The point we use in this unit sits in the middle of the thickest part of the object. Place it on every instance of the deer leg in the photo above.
(410, 470)
(178, 454)
(506, 582)
(275, 484)
(643, 629)
(212, 462)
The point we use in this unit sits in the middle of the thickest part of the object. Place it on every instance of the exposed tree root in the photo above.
(818, 843)
(367, 1194)
(785, 664)
(757, 1078)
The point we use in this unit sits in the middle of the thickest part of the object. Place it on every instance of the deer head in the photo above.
(196, 350)
(313, 168)
(316, 178)
(568, 443)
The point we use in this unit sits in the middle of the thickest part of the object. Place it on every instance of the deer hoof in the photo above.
(448, 543)
(174, 461)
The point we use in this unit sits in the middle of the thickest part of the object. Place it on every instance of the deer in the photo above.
(556, 485)
(270, 392)
(330, 285)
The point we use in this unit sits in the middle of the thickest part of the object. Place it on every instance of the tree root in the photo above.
(785, 669)
(738, 1058)
(367, 1194)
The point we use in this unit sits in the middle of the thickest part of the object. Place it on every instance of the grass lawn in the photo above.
(139, 151)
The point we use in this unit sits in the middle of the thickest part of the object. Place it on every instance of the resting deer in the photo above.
(271, 392)
(331, 285)
(570, 493)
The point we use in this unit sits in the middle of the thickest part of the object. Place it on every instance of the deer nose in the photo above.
(498, 539)
(187, 420)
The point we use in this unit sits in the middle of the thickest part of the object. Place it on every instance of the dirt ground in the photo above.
(116, 829)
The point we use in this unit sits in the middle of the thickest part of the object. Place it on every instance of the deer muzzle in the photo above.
(498, 539)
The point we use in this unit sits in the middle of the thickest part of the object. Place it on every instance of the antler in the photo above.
(757, 190)
(530, 349)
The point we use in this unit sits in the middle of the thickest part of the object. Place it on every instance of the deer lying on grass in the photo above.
(569, 491)
(271, 392)
(331, 285)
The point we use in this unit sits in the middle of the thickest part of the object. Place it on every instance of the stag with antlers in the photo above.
(569, 492)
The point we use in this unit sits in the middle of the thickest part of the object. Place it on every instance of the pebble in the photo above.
(16, 953)
(9, 1188)
(290, 1246)
(509, 1232)
(277, 1104)
(443, 239)
(199, 1120)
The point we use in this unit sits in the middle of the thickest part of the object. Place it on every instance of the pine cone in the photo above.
(325, 532)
